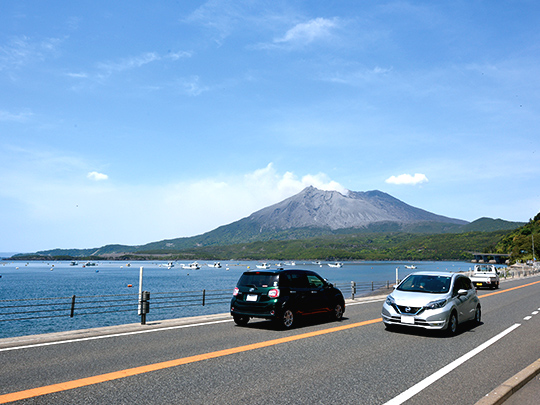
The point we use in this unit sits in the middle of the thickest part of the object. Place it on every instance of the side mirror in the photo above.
(462, 292)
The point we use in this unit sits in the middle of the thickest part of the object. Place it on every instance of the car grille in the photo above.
(403, 309)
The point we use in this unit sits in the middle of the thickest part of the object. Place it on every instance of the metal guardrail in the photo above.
(42, 308)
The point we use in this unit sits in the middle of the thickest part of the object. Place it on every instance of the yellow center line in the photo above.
(49, 389)
(508, 289)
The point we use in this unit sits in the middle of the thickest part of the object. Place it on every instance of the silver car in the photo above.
(432, 300)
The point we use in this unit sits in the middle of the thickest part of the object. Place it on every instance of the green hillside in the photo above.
(519, 242)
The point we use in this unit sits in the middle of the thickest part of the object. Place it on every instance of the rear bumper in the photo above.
(484, 283)
(268, 311)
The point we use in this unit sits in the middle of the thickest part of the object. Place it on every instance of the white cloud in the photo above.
(418, 178)
(16, 117)
(317, 28)
(302, 34)
(97, 176)
(106, 69)
(191, 86)
(22, 50)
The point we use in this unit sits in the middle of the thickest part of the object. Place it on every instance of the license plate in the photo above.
(478, 283)
(408, 320)
(251, 297)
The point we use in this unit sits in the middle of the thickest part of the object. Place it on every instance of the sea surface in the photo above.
(35, 281)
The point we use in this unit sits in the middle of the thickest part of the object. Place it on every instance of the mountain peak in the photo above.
(313, 207)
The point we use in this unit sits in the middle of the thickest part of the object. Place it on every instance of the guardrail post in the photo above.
(72, 307)
(203, 297)
(353, 289)
(372, 286)
(144, 305)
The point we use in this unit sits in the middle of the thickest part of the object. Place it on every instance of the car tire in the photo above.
(337, 312)
(451, 328)
(389, 327)
(478, 315)
(241, 320)
(286, 320)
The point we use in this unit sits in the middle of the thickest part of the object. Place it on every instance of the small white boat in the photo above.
(263, 266)
(336, 264)
(412, 267)
(290, 263)
(170, 265)
(216, 265)
(191, 266)
(74, 263)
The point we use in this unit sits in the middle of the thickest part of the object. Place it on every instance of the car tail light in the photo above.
(235, 291)
(273, 293)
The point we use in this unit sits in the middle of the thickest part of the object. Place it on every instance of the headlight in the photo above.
(436, 304)
(390, 300)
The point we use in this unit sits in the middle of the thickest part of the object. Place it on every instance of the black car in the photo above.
(282, 295)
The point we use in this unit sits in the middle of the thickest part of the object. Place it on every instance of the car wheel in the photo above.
(452, 327)
(241, 320)
(286, 320)
(478, 315)
(389, 327)
(337, 313)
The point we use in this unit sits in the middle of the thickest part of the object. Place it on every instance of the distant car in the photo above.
(485, 275)
(283, 295)
(432, 300)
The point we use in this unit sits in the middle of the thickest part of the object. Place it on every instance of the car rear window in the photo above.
(425, 283)
(258, 279)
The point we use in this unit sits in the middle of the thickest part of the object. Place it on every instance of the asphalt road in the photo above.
(353, 361)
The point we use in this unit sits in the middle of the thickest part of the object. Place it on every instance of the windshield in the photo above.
(257, 279)
(426, 284)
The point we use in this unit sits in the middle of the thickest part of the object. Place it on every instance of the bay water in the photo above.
(36, 280)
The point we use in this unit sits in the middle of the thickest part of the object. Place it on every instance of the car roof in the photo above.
(278, 271)
(436, 273)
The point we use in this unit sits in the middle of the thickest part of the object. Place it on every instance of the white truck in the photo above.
(485, 275)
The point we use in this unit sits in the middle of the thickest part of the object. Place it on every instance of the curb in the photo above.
(510, 386)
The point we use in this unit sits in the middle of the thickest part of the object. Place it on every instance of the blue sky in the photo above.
(135, 121)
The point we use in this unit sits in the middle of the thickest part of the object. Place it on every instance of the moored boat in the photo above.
(191, 266)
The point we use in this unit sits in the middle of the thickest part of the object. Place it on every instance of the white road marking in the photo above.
(113, 335)
(415, 389)
(527, 318)
(535, 313)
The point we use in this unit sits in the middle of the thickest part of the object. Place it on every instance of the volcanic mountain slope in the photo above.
(333, 210)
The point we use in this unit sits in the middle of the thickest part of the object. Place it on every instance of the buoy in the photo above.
(130, 285)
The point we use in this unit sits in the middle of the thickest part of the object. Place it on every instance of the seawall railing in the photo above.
(29, 309)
